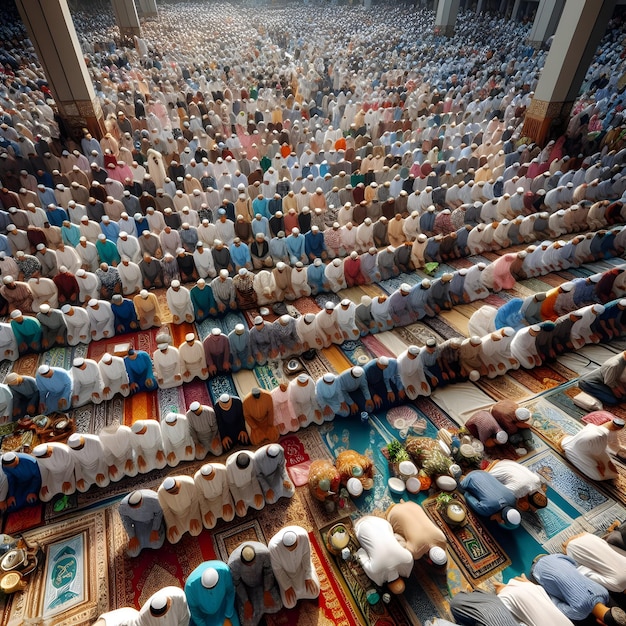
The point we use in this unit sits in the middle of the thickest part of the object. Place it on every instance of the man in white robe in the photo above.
(114, 376)
(90, 465)
(382, 557)
(335, 276)
(243, 482)
(148, 445)
(203, 428)
(166, 607)
(77, 322)
(177, 441)
(524, 347)
(192, 359)
(87, 384)
(6, 404)
(88, 286)
(125, 616)
(8, 344)
(587, 452)
(56, 464)
(167, 368)
(101, 319)
(179, 501)
(306, 327)
(213, 493)
(290, 554)
(524, 483)
(303, 401)
(119, 455)
(411, 373)
(44, 291)
(179, 303)
(130, 275)
(345, 314)
(327, 327)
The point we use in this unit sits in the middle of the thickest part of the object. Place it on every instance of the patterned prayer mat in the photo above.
(472, 546)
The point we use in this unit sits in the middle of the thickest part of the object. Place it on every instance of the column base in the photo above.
(80, 115)
(128, 32)
(545, 120)
(444, 31)
(537, 45)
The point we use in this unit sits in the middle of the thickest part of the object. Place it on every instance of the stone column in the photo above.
(515, 11)
(148, 8)
(578, 34)
(445, 18)
(126, 18)
(479, 6)
(546, 21)
(50, 28)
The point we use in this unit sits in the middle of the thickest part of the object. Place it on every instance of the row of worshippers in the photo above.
(258, 579)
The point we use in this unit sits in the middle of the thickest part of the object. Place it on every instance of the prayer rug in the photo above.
(140, 340)
(24, 519)
(134, 580)
(195, 390)
(170, 401)
(322, 298)
(418, 334)
(268, 375)
(472, 546)
(178, 332)
(503, 388)
(335, 359)
(85, 595)
(550, 422)
(226, 541)
(542, 378)
(225, 323)
(306, 305)
(393, 341)
(377, 348)
(220, 384)
(391, 284)
(356, 352)
(358, 585)
(27, 365)
(301, 450)
(315, 367)
(63, 357)
(141, 406)
(571, 486)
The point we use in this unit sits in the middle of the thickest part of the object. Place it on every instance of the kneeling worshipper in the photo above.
(480, 608)
(167, 368)
(178, 499)
(354, 386)
(384, 381)
(179, 303)
(416, 532)
(269, 465)
(25, 393)
(530, 603)
(166, 607)
(203, 429)
(177, 441)
(523, 482)
(139, 369)
(203, 301)
(587, 451)
(114, 376)
(53, 328)
(55, 389)
(484, 427)
(148, 445)
(8, 344)
(87, 382)
(210, 595)
(330, 396)
(142, 517)
(243, 482)
(90, 466)
(608, 382)
(290, 554)
(255, 584)
(217, 352)
(148, 310)
(77, 322)
(118, 450)
(56, 466)
(597, 560)
(6, 404)
(124, 314)
(23, 481)
(258, 412)
(230, 421)
(488, 497)
(514, 420)
(382, 557)
(302, 407)
(213, 493)
(575, 595)
(101, 319)
(192, 359)
(27, 332)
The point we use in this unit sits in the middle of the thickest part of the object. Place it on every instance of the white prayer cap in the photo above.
(224, 273)
(328, 377)
(209, 578)
(43, 369)
(345, 302)
(144, 293)
(383, 360)
(169, 483)
(207, 469)
(309, 318)
(44, 308)
(303, 378)
(7, 280)
(501, 437)
(40, 246)
(336, 262)
(414, 350)
(107, 358)
(289, 539)
(474, 375)
(438, 555)
(195, 405)
(189, 337)
(354, 254)
(598, 309)
(405, 287)
(239, 329)
(329, 306)
(81, 272)
(78, 362)
(317, 262)
(8, 458)
(522, 414)
(280, 266)
(512, 516)
(175, 283)
(355, 488)
(40, 450)
(507, 331)
(75, 440)
(422, 238)
(426, 283)
(243, 271)
(171, 418)
(258, 320)
(93, 302)
(163, 345)
(357, 371)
